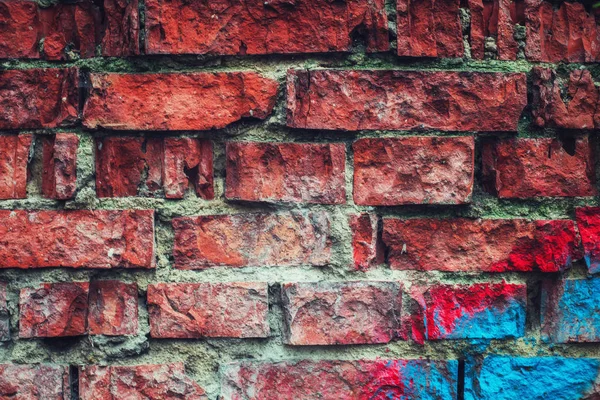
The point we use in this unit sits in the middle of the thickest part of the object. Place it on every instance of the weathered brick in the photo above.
(567, 33)
(19, 22)
(448, 101)
(54, 310)
(193, 310)
(163, 101)
(188, 161)
(571, 310)
(78, 239)
(328, 313)
(291, 172)
(525, 168)
(121, 28)
(4, 316)
(480, 245)
(34, 382)
(113, 308)
(38, 98)
(367, 248)
(477, 311)
(495, 19)
(285, 239)
(429, 28)
(14, 158)
(588, 224)
(59, 174)
(240, 27)
(165, 382)
(576, 110)
(413, 170)
(335, 380)
(536, 378)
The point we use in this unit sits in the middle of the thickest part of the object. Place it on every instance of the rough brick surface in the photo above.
(4, 316)
(188, 161)
(18, 29)
(540, 378)
(290, 172)
(241, 27)
(566, 33)
(448, 101)
(479, 311)
(38, 98)
(495, 19)
(588, 224)
(78, 239)
(328, 313)
(334, 380)
(165, 382)
(59, 175)
(54, 310)
(164, 101)
(34, 382)
(252, 240)
(525, 168)
(571, 310)
(113, 308)
(14, 158)
(193, 310)
(367, 248)
(482, 245)
(414, 170)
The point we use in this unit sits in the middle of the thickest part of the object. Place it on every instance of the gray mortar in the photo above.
(204, 357)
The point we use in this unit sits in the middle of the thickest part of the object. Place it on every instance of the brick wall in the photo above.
(299, 199)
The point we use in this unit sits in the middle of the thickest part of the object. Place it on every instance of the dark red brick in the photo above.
(588, 224)
(429, 28)
(413, 170)
(121, 28)
(188, 161)
(252, 240)
(482, 245)
(38, 98)
(329, 313)
(495, 19)
(19, 29)
(4, 316)
(240, 27)
(367, 248)
(525, 168)
(336, 380)
(577, 110)
(163, 101)
(113, 308)
(34, 382)
(194, 310)
(59, 175)
(78, 239)
(165, 382)
(14, 159)
(291, 172)
(54, 310)
(400, 100)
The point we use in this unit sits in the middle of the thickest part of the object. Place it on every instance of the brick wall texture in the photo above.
(299, 199)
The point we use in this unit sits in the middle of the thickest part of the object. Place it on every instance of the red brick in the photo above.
(78, 239)
(337, 380)
(188, 161)
(240, 27)
(163, 101)
(567, 33)
(429, 28)
(241, 240)
(194, 310)
(19, 29)
(525, 168)
(165, 382)
(34, 382)
(291, 172)
(495, 19)
(38, 98)
(4, 316)
(588, 224)
(329, 313)
(367, 248)
(59, 175)
(481, 245)
(413, 170)
(54, 310)
(577, 111)
(14, 159)
(121, 28)
(399, 100)
(113, 308)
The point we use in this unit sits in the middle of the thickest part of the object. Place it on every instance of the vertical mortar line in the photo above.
(460, 390)
(142, 26)
(74, 381)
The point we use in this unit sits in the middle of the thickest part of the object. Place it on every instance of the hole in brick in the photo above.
(569, 144)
